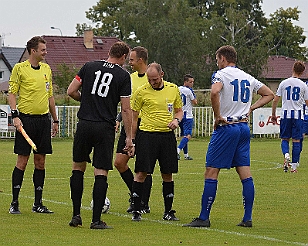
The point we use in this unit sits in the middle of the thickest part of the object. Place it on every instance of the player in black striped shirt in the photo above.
(99, 86)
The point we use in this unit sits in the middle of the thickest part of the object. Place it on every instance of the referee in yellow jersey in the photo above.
(31, 82)
(138, 60)
(161, 106)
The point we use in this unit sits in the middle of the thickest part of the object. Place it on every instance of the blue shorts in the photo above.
(186, 126)
(291, 128)
(229, 146)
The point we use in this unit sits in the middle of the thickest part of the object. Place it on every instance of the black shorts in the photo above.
(153, 146)
(97, 135)
(121, 141)
(38, 128)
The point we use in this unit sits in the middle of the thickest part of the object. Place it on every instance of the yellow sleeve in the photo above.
(135, 101)
(178, 100)
(14, 82)
(50, 91)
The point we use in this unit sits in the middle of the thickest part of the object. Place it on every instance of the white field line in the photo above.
(240, 234)
(276, 166)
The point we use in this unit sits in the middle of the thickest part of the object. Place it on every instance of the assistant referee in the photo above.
(31, 83)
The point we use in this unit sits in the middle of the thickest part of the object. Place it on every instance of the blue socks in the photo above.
(248, 197)
(208, 197)
(285, 147)
(185, 149)
(296, 151)
(209, 193)
(183, 143)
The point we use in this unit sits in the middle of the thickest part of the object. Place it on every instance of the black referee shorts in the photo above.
(121, 141)
(153, 146)
(38, 127)
(96, 136)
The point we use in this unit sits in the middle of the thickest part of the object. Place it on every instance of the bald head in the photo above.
(155, 75)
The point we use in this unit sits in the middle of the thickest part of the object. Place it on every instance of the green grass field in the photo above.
(279, 216)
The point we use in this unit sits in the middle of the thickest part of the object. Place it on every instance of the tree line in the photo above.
(183, 35)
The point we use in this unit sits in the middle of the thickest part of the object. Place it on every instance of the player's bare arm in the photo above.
(266, 96)
(127, 116)
(52, 110)
(274, 107)
(215, 101)
(194, 102)
(73, 90)
(134, 123)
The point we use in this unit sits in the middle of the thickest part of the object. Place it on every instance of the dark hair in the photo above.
(118, 49)
(228, 52)
(141, 52)
(299, 67)
(187, 77)
(34, 42)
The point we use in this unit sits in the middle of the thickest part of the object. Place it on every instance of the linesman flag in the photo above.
(29, 140)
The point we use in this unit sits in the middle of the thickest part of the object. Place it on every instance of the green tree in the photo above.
(63, 77)
(282, 37)
(238, 23)
(172, 38)
(105, 15)
(210, 8)
(244, 34)
(170, 30)
(183, 35)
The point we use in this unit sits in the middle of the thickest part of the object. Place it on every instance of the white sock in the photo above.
(179, 150)
(294, 165)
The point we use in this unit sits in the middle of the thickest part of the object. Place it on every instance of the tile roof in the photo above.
(12, 54)
(72, 50)
(280, 67)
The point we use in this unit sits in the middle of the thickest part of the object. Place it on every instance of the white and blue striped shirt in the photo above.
(237, 91)
(187, 96)
(293, 92)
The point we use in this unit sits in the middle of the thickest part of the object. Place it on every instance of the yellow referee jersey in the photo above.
(157, 106)
(137, 82)
(33, 87)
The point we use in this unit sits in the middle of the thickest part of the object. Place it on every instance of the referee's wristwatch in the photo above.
(178, 120)
(14, 113)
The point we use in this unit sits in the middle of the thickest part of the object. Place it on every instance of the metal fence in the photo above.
(203, 124)
(67, 115)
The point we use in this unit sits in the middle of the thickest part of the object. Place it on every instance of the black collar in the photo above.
(36, 68)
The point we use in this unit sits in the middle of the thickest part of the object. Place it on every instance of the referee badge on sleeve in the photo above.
(170, 107)
(47, 86)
